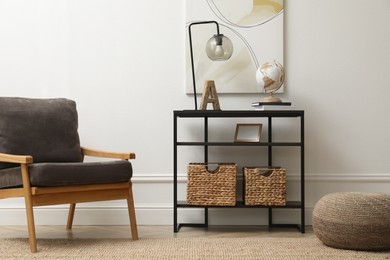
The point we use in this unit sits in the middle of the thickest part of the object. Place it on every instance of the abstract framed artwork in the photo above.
(255, 28)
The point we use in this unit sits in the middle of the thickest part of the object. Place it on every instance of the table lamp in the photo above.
(218, 48)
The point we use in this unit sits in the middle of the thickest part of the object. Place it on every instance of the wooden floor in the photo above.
(150, 232)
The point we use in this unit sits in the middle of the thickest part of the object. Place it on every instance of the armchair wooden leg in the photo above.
(32, 239)
(31, 225)
(72, 208)
(131, 209)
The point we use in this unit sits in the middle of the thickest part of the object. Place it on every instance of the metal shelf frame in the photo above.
(206, 114)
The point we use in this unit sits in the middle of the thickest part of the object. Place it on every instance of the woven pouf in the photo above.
(353, 220)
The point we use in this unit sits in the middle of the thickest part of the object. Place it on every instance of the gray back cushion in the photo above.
(43, 128)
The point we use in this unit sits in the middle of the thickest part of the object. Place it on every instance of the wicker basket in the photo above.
(264, 186)
(211, 188)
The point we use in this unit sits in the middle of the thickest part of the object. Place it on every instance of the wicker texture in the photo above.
(353, 220)
(267, 189)
(215, 188)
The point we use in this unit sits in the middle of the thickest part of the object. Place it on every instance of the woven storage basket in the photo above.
(264, 186)
(211, 188)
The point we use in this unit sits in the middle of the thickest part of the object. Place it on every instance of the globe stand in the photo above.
(271, 98)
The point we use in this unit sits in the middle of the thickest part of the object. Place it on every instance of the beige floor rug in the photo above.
(181, 248)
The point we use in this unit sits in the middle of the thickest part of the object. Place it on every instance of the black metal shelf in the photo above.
(269, 144)
(237, 144)
(238, 113)
(240, 204)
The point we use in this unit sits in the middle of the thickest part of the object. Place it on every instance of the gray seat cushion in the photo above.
(64, 174)
(46, 129)
(43, 128)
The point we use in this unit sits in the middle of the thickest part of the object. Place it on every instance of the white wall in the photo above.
(123, 62)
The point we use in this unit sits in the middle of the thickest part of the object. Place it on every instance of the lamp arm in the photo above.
(204, 22)
(192, 55)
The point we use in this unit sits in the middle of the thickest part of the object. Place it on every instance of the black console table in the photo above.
(206, 114)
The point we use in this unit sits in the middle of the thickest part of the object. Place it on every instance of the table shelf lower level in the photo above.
(240, 204)
(299, 227)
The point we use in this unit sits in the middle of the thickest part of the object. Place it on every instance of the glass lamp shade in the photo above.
(219, 47)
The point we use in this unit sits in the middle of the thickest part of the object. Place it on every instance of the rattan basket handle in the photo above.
(266, 172)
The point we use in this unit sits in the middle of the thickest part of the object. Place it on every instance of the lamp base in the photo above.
(271, 98)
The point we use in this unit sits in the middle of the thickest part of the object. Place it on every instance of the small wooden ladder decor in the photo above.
(209, 96)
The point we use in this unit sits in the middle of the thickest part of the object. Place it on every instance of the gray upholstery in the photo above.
(63, 174)
(46, 129)
(43, 128)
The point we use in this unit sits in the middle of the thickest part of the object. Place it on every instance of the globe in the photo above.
(270, 77)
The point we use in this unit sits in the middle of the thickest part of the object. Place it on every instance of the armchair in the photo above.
(41, 160)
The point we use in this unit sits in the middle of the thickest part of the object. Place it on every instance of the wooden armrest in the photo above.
(105, 154)
(12, 158)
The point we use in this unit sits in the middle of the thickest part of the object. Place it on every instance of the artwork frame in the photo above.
(248, 133)
(255, 42)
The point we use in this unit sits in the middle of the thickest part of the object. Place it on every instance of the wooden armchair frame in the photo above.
(43, 196)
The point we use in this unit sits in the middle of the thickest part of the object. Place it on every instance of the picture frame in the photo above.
(248, 133)
(246, 23)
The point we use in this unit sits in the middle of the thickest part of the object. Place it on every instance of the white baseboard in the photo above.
(148, 216)
(154, 203)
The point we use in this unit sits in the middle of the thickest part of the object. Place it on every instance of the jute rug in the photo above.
(181, 248)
